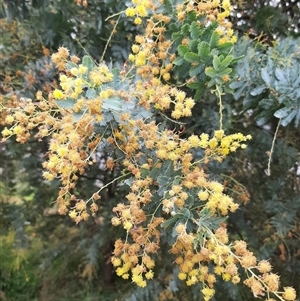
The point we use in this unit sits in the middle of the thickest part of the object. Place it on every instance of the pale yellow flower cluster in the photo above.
(139, 10)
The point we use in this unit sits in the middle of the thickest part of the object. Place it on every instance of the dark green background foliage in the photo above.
(46, 257)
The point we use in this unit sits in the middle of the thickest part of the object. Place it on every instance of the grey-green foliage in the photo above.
(269, 80)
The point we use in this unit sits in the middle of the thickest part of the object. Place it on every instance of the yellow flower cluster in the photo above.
(139, 10)
(72, 144)
(266, 283)
(27, 116)
(100, 75)
(133, 260)
(143, 236)
(221, 145)
(163, 97)
(192, 262)
(140, 58)
(193, 266)
(60, 58)
(74, 85)
(150, 53)
(225, 27)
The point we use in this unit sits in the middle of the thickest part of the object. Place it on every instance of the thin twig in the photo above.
(268, 172)
(109, 39)
(220, 107)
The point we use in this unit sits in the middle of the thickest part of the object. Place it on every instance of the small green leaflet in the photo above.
(90, 93)
(66, 104)
(265, 76)
(88, 62)
(204, 50)
(192, 57)
(112, 103)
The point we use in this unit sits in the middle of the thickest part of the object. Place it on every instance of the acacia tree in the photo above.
(141, 114)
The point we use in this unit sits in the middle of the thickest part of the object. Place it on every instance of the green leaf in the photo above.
(228, 90)
(266, 103)
(129, 181)
(178, 61)
(204, 50)
(265, 76)
(258, 90)
(116, 81)
(218, 81)
(195, 30)
(77, 116)
(193, 45)
(214, 223)
(212, 82)
(66, 104)
(199, 241)
(155, 172)
(195, 70)
(210, 72)
(221, 57)
(208, 31)
(225, 47)
(182, 50)
(283, 112)
(186, 213)
(240, 88)
(286, 120)
(168, 6)
(205, 213)
(199, 93)
(226, 71)
(236, 59)
(71, 65)
(88, 62)
(191, 16)
(237, 84)
(280, 76)
(183, 70)
(201, 18)
(185, 29)
(214, 40)
(112, 103)
(90, 93)
(99, 22)
(263, 118)
(170, 221)
(226, 62)
(176, 36)
(216, 62)
(196, 85)
(163, 179)
(191, 57)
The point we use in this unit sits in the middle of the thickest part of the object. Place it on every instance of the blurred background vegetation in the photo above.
(44, 256)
